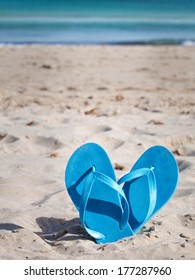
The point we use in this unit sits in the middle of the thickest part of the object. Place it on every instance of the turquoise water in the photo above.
(97, 21)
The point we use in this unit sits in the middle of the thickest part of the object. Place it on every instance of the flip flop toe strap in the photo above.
(136, 174)
(89, 182)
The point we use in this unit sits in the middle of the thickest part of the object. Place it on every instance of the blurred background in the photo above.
(97, 22)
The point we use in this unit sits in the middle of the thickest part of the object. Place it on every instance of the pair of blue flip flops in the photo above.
(109, 212)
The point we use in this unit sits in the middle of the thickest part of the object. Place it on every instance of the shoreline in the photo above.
(155, 42)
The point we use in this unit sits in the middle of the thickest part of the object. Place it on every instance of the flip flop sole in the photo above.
(165, 169)
(103, 211)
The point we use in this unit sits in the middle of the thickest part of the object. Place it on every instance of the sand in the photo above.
(126, 98)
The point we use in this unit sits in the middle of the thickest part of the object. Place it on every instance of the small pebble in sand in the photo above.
(184, 236)
(54, 155)
(118, 166)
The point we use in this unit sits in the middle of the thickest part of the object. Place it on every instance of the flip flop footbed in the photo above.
(165, 170)
(103, 211)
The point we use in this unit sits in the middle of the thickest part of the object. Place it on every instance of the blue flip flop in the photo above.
(149, 185)
(102, 205)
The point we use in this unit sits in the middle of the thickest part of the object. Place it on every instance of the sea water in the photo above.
(97, 21)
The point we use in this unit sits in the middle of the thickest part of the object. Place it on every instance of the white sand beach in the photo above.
(125, 98)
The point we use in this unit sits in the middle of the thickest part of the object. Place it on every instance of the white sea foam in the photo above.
(188, 43)
(150, 19)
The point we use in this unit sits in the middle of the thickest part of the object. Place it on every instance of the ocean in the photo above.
(97, 22)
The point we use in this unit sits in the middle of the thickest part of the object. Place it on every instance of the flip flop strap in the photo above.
(136, 174)
(91, 178)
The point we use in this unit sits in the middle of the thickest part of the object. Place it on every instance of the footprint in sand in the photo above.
(182, 151)
(48, 142)
(183, 165)
(8, 139)
(109, 143)
(180, 140)
(92, 130)
(2, 136)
